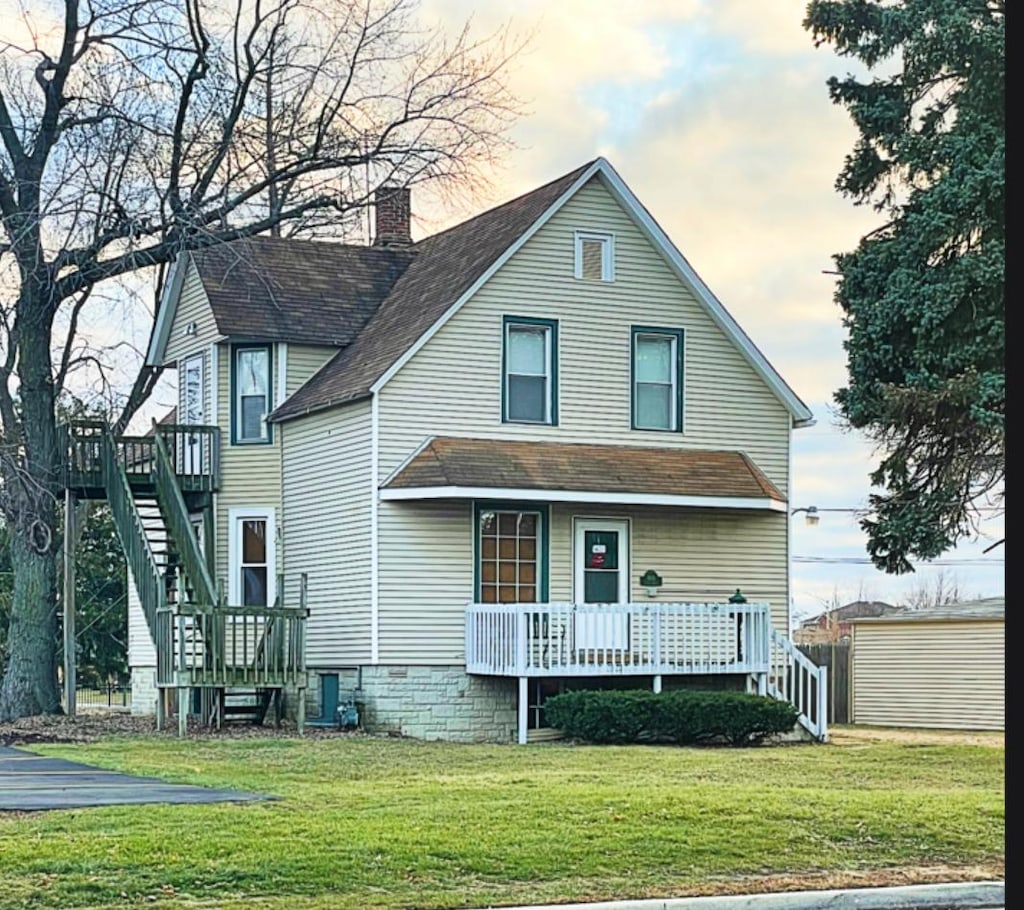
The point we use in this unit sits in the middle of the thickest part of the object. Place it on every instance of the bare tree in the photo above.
(940, 590)
(133, 130)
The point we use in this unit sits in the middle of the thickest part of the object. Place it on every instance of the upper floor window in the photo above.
(595, 256)
(530, 371)
(251, 401)
(657, 379)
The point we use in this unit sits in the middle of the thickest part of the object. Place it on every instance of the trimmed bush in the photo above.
(683, 716)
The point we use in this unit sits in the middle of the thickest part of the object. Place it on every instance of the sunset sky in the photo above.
(716, 113)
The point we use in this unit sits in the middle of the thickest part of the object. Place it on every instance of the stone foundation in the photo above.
(144, 690)
(434, 703)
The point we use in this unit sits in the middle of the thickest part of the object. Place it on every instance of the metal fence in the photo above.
(110, 696)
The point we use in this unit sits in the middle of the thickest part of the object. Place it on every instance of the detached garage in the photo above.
(942, 667)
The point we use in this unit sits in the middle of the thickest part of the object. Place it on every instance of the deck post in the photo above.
(300, 712)
(182, 710)
(524, 708)
(160, 709)
(762, 683)
(70, 666)
(657, 683)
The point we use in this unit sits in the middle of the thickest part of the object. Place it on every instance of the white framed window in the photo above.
(657, 369)
(595, 256)
(530, 371)
(251, 401)
(252, 557)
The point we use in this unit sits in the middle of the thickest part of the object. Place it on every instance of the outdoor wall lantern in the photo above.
(651, 581)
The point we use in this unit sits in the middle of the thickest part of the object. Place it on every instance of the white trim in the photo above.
(801, 414)
(485, 277)
(374, 530)
(168, 305)
(607, 241)
(282, 376)
(214, 383)
(396, 494)
(235, 516)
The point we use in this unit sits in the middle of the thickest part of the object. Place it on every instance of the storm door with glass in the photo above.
(601, 561)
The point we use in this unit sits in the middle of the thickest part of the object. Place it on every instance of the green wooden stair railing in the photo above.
(148, 581)
(197, 583)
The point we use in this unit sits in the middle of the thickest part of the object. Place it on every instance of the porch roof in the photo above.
(450, 467)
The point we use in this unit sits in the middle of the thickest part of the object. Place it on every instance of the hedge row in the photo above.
(683, 716)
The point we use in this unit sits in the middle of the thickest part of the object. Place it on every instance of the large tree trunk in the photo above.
(31, 477)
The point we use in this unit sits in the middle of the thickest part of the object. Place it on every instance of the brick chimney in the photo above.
(392, 207)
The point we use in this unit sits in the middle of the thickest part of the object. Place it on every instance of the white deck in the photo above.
(630, 639)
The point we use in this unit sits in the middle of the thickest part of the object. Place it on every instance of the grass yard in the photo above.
(375, 823)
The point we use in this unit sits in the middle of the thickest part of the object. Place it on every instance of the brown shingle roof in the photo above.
(447, 461)
(445, 266)
(300, 291)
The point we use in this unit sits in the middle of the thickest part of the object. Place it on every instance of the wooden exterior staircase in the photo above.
(154, 485)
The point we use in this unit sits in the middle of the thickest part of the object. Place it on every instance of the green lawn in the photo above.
(392, 823)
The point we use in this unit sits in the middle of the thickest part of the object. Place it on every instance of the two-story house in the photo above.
(531, 451)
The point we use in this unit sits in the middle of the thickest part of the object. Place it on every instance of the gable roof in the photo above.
(446, 267)
(300, 291)
(457, 466)
(452, 265)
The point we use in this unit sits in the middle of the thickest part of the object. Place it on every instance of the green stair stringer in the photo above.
(198, 586)
(149, 581)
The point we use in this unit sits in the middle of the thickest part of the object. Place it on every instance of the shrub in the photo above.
(683, 716)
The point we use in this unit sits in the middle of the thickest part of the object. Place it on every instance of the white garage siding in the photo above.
(942, 673)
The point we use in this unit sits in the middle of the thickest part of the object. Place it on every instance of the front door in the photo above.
(601, 560)
(192, 414)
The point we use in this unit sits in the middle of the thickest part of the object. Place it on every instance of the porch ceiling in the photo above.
(459, 467)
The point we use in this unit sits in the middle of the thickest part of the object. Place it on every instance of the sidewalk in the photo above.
(959, 896)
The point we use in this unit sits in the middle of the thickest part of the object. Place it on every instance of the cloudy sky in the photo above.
(716, 113)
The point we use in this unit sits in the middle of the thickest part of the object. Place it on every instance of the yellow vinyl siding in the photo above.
(426, 565)
(326, 526)
(250, 474)
(193, 306)
(302, 362)
(944, 674)
(453, 384)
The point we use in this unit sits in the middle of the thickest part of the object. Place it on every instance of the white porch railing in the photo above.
(631, 639)
(794, 677)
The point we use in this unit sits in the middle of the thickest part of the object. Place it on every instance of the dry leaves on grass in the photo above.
(89, 727)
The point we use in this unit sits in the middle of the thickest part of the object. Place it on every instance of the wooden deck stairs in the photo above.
(238, 660)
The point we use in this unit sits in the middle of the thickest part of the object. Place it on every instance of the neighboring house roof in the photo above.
(447, 466)
(447, 265)
(853, 610)
(990, 608)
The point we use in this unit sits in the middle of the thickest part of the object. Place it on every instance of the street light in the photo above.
(812, 517)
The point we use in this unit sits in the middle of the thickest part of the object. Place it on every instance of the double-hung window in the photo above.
(530, 374)
(657, 379)
(251, 400)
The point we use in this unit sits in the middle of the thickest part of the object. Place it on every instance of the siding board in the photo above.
(941, 674)
(326, 521)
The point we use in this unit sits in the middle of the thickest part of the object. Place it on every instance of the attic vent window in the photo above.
(595, 256)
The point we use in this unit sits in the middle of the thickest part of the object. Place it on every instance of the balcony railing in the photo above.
(630, 639)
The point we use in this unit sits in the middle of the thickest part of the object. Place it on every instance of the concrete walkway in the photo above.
(32, 782)
(953, 896)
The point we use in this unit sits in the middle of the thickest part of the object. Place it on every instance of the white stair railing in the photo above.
(795, 678)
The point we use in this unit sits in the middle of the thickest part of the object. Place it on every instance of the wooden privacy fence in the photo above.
(836, 656)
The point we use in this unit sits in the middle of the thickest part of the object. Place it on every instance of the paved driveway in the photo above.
(29, 781)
